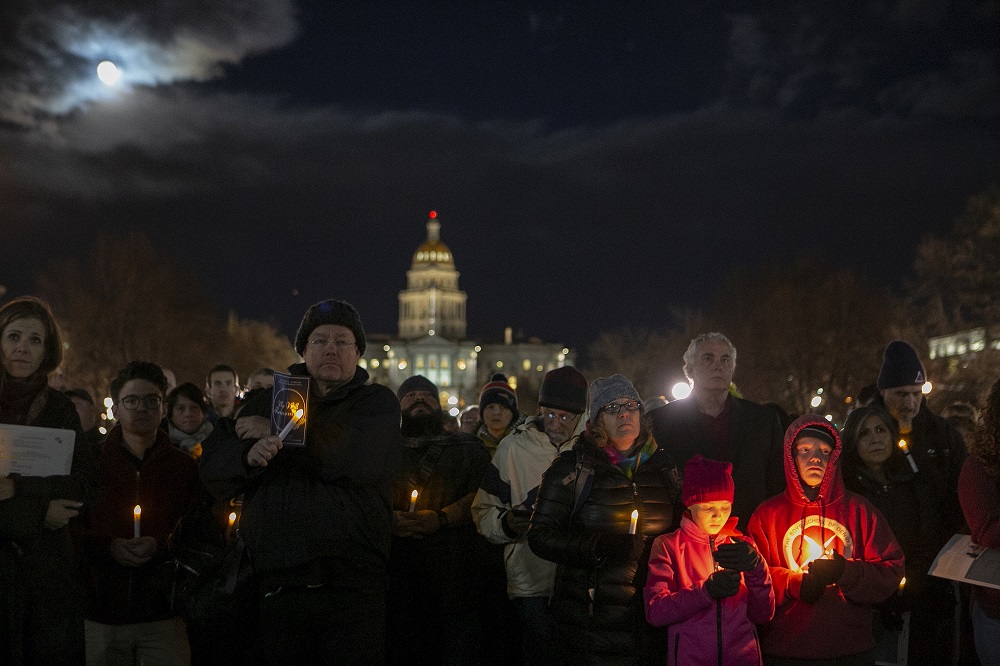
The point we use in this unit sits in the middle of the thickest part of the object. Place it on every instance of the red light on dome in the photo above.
(433, 214)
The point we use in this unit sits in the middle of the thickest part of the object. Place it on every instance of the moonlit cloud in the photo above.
(49, 64)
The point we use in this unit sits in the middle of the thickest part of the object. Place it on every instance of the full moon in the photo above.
(108, 73)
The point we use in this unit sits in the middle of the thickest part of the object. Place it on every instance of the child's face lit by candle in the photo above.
(711, 516)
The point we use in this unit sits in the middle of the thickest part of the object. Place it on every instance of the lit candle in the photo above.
(413, 501)
(291, 424)
(136, 512)
(909, 457)
(902, 583)
(635, 521)
(232, 521)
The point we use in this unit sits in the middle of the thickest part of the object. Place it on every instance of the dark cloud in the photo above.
(830, 138)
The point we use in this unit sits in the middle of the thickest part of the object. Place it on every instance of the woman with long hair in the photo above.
(41, 598)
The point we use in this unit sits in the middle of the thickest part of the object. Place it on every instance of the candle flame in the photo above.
(232, 518)
(635, 514)
(902, 583)
(137, 511)
(413, 495)
(298, 414)
(902, 445)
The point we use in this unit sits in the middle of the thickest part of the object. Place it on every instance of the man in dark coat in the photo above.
(720, 426)
(316, 518)
(436, 560)
(939, 452)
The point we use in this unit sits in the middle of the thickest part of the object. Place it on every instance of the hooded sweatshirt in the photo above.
(675, 595)
(790, 530)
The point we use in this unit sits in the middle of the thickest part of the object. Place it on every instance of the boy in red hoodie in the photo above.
(694, 581)
(832, 556)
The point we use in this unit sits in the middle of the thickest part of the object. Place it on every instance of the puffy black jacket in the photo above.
(598, 595)
(320, 513)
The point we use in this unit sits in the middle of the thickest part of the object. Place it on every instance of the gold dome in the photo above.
(433, 252)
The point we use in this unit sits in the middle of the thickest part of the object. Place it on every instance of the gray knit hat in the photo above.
(330, 312)
(603, 391)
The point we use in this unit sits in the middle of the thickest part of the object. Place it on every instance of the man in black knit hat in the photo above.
(316, 518)
(502, 508)
(939, 452)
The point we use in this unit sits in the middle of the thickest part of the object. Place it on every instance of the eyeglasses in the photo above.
(562, 418)
(616, 407)
(151, 401)
(320, 343)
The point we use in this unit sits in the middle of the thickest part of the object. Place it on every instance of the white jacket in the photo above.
(512, 479)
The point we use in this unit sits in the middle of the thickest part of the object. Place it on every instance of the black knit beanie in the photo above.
(901, 366)
(416, 383)
(564, 388)
(330, 312)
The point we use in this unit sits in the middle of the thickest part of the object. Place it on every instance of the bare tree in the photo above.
(129, 302)
(804, 331)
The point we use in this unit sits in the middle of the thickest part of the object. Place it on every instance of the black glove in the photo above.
(828, 571)
(739, 556)
(812, 589)
(723, 584)
(619, 547)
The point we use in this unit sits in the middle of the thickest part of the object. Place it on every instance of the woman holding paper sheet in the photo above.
(979, 492)
(41, 599)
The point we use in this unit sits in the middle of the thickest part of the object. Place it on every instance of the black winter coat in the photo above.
(41, 594)
(598, 599)
(320, 513)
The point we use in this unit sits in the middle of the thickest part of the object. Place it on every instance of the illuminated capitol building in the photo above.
(432, 341)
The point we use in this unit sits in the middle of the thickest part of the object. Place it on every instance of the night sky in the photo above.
(593, 165)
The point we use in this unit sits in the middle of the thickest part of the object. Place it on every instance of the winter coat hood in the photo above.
(832, 486)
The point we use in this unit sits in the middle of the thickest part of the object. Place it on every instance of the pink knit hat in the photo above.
(707, 481)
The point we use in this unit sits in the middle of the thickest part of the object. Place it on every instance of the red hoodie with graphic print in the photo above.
(790, 531)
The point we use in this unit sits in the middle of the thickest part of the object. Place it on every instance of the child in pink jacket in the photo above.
(707, 582)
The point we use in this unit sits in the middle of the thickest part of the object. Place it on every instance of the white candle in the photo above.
(909, 457)
(413, 501)
(136, 512)
(635, 521)
(288, 426)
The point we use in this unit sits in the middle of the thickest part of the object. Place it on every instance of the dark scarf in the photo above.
(22, 400)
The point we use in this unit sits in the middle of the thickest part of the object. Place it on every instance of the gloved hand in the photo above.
(620, 547)
(828, 571)
(723, 583)
(739, 556)
(812, 589)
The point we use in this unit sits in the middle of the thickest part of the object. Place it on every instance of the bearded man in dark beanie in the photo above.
(433, 563)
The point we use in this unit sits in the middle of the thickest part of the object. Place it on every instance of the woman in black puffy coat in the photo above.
(582, 521)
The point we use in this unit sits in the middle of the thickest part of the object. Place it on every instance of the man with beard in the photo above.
(433, 570)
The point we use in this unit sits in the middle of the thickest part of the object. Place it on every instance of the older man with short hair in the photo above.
(718, 425)
(317, 518)
(502, 508)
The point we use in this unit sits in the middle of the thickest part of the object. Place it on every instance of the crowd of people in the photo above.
(603, 529)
